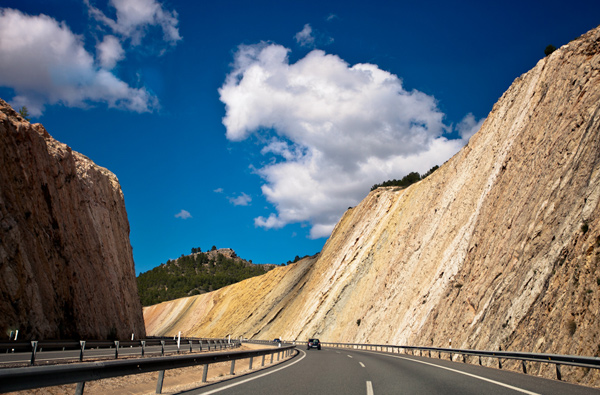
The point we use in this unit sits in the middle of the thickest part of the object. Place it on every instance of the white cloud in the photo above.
(333, 130)
(45, 63)
(468, 126)
(305, 37)
(183, 214)
(309, 38)
(241, 200)
(218, 190)
(110, 52)
(135, 17)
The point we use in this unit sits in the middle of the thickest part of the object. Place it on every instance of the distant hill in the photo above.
(195, 274)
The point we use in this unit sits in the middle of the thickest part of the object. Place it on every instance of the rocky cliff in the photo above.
(66, 264)
(497, 248)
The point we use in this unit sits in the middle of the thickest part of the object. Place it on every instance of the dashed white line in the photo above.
(369, 388)
(349, 356)
(362, 364)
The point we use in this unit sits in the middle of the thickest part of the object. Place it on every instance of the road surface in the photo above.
(351, 372)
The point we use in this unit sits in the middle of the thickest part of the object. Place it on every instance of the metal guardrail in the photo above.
(18, 379)
(82, 345)
(556, 359)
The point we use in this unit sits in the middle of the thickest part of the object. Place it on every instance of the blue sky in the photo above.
(255, 125)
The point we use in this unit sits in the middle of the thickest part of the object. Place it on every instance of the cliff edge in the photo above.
(66, 264)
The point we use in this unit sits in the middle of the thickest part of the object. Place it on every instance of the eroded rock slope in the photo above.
(497, 248)
(66, 264)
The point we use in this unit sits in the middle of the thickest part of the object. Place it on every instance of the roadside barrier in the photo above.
(24, 378)
(195, 344)
(555, 359)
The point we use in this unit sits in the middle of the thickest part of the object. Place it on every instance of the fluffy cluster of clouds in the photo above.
(329, 131)
(44, 62)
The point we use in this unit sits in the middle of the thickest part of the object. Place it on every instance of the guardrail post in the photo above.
(159, 383)
(464, 358)
(162, 348)
(250, 365)
(33, 351)
(82, 344)
(116, 349)
(232, 370)
(208, 343)
(524, 366)
(200, 341)
(80, 388)
(204, 373)
(499, 363)
(190, 345)
(558, 375)
(143, 342)
(272, 355)
(480, 359)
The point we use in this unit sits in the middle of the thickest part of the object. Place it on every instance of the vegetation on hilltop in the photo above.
(194, 274)
(406, 181)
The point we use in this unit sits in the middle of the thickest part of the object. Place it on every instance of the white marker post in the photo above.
(178, 340)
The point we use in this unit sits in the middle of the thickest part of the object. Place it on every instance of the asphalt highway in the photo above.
(351, 372)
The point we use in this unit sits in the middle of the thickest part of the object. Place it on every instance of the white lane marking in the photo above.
(338, 352)
(362, 364)
(464, 373)
(255, 377)
(349, 356)
(369, 388)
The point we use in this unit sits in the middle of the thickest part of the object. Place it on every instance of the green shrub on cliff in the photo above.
(406, 181)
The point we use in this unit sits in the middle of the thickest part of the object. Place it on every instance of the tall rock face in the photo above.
(66, 264)
(497, 248)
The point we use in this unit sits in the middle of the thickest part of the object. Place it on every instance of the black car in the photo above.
(313, 343)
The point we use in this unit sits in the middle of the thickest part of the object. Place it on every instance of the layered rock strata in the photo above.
(66, 264)
(499, 248)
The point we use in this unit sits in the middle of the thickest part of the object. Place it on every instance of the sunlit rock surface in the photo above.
(66, 264)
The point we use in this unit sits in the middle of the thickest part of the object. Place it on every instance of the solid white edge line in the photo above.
(369, 388)
(254, 377)
(464, 373)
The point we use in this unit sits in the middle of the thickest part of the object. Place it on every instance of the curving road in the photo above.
(339, 371)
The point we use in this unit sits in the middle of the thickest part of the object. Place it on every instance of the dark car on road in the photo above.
(313, 343)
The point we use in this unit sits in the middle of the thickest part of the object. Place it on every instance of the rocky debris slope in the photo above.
(66, 264)
(497, 248)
